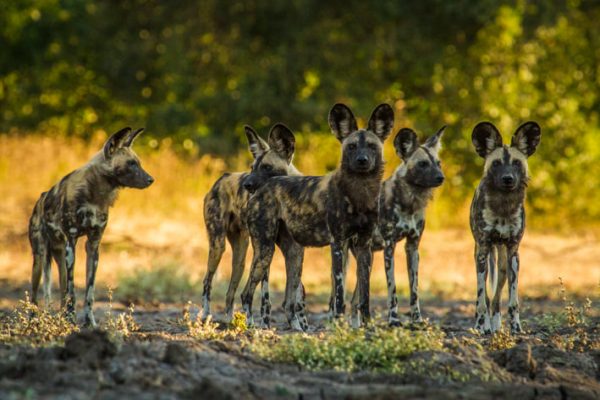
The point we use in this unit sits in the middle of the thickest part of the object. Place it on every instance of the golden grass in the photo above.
(164, 225)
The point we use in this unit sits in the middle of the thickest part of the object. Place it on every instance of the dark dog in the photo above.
(225, 203)
(78, 206)
(404, 197)
(498, 218)
(295, 212)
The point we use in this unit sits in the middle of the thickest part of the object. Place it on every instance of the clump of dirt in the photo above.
(90, 347)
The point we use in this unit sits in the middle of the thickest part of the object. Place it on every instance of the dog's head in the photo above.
(422, 162)
(121, 163)
(506, 166)
(362, 149)
(271, 158)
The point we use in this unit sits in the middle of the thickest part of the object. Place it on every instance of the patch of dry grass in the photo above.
(210, 330)
(32, 325)
(119, 325)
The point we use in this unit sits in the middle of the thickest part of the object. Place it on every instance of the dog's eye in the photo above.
(496, 163)
(352, 146)
(372, 146)
(422, 164)
(267, 168)
(438, 163)
(516, 163)
(131, 163)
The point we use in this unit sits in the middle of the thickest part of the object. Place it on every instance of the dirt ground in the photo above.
(161, 361)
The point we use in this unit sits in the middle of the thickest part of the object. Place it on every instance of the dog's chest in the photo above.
(355, 220)
(401, 224)
(502, 227)
(91, 217)
(87, 219)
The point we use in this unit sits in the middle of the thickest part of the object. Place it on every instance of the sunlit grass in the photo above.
(35, 326)
(344, 349)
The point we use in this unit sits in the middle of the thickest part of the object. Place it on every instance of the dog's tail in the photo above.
(493, 270)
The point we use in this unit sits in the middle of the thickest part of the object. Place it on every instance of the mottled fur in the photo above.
(404, 197)
(316, 211)
(78, 206)
(225, 204)
(498, 219)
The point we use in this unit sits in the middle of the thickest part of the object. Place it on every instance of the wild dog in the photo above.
(316, 211)
(225, 203)
(498, 218)
(78, 206)
(404, 197)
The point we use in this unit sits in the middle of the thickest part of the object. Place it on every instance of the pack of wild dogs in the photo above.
(352, 210)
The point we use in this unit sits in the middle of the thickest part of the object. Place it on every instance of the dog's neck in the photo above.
(293, 171)
(102, 187)
(410, 197)
(362, 190)
(502, 203)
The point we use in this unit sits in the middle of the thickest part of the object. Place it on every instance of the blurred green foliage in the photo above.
(196, 72)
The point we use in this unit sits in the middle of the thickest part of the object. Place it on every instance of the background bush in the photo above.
(194, 72)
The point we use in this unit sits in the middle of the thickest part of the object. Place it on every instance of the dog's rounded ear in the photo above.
(282, 141)
(256, 144)
(382, 121)
(527, 137)
(485, 138)
(115, 141)
(131, 137)
(434, 142)
(342, 121)
(405, 143)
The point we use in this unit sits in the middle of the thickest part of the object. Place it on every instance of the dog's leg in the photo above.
(265, 301)
(513, 281)
(345, 261)
(364, 260)
(300, 310)
(412, 261)
(337, 259)
(58, 253)
(215, 252)
(294, 292)
(502, 268)
(263, 254)
(493, 268)
(69, 265)
(91, 266)
(354, 312)
(388, 258)
(482, 316)
(239, 243)
(47, 278)
(39, 250)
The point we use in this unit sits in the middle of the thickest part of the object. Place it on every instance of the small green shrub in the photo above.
(373, 348)
(161, 283)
